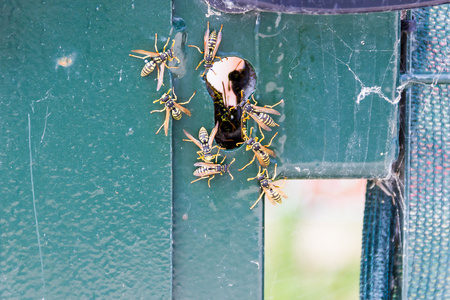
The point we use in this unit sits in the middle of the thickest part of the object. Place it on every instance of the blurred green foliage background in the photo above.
(313, 240)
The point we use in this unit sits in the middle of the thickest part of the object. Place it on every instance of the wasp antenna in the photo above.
(199, 50)
(156, 41)
(251, 129)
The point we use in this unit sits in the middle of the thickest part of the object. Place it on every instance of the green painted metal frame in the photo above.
(87, 208)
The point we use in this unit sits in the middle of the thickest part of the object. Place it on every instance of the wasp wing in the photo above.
(205, 42)
(166, 122)
(183, 109)
(269, 196)
(213, 134)
(266, 110)
(278, 190)
(145, 53)
(261, 160)
(209, 166)
(260, 123)
(218, 40)
(268, 151)
(160, 77)
(193, 139)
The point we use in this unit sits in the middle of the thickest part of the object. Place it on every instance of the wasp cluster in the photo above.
(231, 115)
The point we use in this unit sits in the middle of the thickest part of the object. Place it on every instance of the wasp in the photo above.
(259, 114)
(273, 192)
(261, 152)
(211, 43)
(156, 58)
(208, 170)
(171, 106)
(205, 142)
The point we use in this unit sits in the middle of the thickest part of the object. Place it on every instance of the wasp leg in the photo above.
(232, 178)
(156, 110)
(210, 180)
(173, 52)
(259, 198)
(272, 106)
(204, 177)
(141, 57)
(253, 178)
(188, 100)
(160, 128)
(274, 172)
(248, 163)
(199, 64)
(218, 150)
(169, 67)
(246, 118)
(270, 143)
(199, 50)
(262, 134)
(284, 182)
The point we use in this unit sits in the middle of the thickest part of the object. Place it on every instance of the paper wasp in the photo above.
(261, 152)
(156, 58)
(171, 106)
(208, 170)
(259, 114)
(272, 191)
(205, 143)
(211, 43)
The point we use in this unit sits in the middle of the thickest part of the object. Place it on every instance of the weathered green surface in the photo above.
(99, 185)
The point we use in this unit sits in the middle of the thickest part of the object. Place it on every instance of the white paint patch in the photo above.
(280, 58)
(272, 86)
